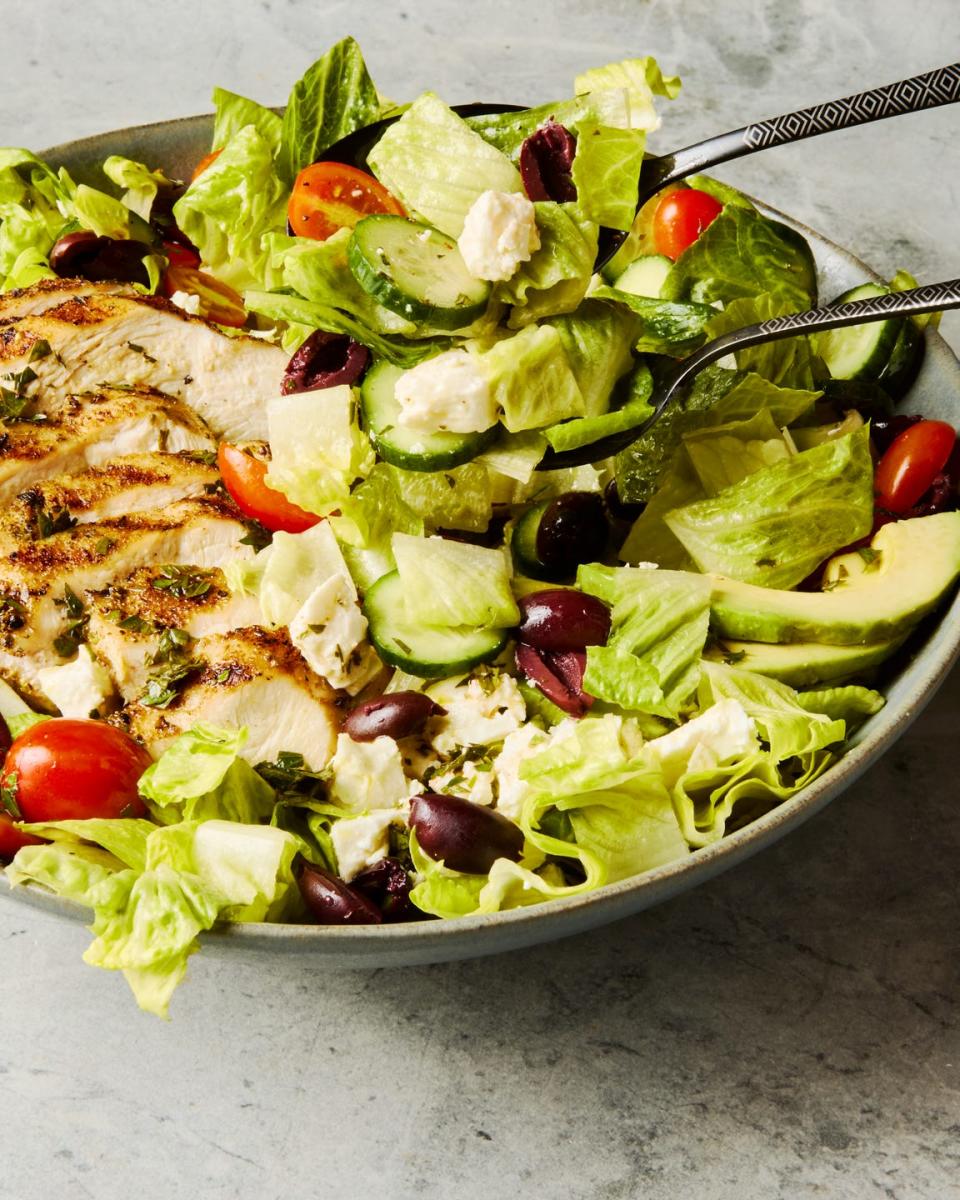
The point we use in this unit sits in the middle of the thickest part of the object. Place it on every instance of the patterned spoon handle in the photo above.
(929, 90)
(932, 297)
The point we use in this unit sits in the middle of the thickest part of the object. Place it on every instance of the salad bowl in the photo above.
(176, 146)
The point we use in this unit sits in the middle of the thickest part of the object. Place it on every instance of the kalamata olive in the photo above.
(558, 676)
(943, 495)
(6, 741)
(396, 715)
(573, 530)
(387, 884)
(330, 900)
(619, 509)
(546, 160)
(466, 837)
(562, 619)
(83, 255)
(325, 360)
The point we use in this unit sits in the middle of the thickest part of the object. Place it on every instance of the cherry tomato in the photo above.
(179, 255)
(204, 163)
(680, 218)
(912, 462)
(243, 476)
(328, 196)
(217, 301)
(12, 839)
(72, 770)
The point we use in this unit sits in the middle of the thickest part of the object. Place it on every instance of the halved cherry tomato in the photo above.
(328, 196)
(243, 476)
(680, 218)
(912, 462)
(217, 301)
(64, 769)
(179, 255)
(204, 163)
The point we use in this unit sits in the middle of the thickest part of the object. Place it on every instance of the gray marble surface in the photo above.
(790, 1030)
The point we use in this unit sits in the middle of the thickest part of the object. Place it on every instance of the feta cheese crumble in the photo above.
(724, 731)
(329, 631)
(480, 712)
(78, 688)
(448, 393)
(368, 775)
(359, 842)
(499, 233)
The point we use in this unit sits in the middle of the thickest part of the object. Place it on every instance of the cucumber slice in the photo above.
(411, 448)
(430, 652)
(523, 543)
(644, 276)
(858, 351)
(416, 271)
(904, 362)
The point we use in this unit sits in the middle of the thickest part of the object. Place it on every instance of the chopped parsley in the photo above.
(75, 631)
(164, 685)
(185, 582)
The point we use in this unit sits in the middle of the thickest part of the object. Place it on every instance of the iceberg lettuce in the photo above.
(447, 583)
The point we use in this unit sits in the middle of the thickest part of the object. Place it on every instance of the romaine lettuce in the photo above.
(233, 113)
(630, 407)
(665, 326)
(531, 379)
(555, 279)
(140, 184)
(459, 498)
(789, 362)
(606, 173)
(641, 78)
(597, 341)
(722, 455)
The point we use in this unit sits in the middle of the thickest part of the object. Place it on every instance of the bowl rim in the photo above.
(613, 900)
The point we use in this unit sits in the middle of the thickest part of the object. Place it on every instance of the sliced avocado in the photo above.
(802, 663)
(873, 597)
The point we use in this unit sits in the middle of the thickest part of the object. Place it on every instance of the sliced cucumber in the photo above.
(644, 276)
(411, 448)
(905, 360)
(416, 271)
(427, 651)
(523, 543)
(858, 351)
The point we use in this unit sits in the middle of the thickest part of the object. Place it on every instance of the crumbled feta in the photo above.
(723, 732)
(329, 631)
(359, 842)
(447, 393)
(511, 789)
(471, 781)
(499, 233)
(188, 301)
(368, 775)
(78, 688)
(479, 712)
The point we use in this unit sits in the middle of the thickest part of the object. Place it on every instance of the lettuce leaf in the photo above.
(850, 704)
(722, 455)
(228, 209)
(666, 326)
(789, 362)
(596, 340)
(659, 621)
(555, 279)
(629, 408)
(531, 379)
(437, 166)
(641, 78)
(367, 521)
(140, 184)
(447, 583)
(233, 113)
(459, 498)
(16, 712)
(606, 173)
(773, 527)
(334, 97)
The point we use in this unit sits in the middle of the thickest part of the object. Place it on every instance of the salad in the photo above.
(297, 620)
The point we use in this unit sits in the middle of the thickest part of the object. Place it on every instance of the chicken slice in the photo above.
(139, 619)
(39, 578)
(89, 339)
(128, 484)
(254, 678)
(89, 429)
(33, 300)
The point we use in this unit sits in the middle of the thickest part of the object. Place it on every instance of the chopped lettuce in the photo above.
(555, 279)
(447, 583)
(596, 340)
(458, 498)
(334, 97)
(437, 166)
(630, 407)
(665, 326)
(140, 184)
(367, 520)
(30, 217)
(722, 455)
(789, 362)
(773, 527)
(17, 714)
(531, 379)
(641, 78)
(850, 704)
(606, 173)
(233, 113)
(659, 621)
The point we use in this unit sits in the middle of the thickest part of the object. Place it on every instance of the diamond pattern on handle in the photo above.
(910, 95)
(930, 294)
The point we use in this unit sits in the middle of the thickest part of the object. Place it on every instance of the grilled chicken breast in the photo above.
(31, 301)
(89, 339)
(139, 620)
(38, 578)
(87, 430)
(254, 678)
(128, 484)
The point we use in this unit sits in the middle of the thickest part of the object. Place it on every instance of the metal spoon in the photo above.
(929, 90)
(932, 297)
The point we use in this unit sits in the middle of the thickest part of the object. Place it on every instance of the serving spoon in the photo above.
(931, 297)
(929, 90)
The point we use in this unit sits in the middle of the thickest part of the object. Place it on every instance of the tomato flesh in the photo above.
(217, 301)
(243, 477)
(66, 769)
(328, 196)
(179, 255)
(679, 219)
(911, 463)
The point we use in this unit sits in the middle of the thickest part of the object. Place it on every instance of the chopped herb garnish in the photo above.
(731, 657)
(133, 623)
(173, 645)
(185, 582)
(103, 545)
(46, 523)
(257, 535)
(871, 557)
(164, 685)
(8, 796)
(75, 631)
(207, 457)
(137, 349)
(289, 775)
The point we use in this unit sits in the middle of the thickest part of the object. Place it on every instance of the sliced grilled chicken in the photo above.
(139, 619)
(31, 301)
(253, 678)
(90, 339)
(38, 579)
(90, 429)
(128, 484)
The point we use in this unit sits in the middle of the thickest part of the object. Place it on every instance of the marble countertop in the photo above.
(790, 1029)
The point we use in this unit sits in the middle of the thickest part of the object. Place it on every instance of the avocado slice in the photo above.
(802, 663)
(914, 564)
